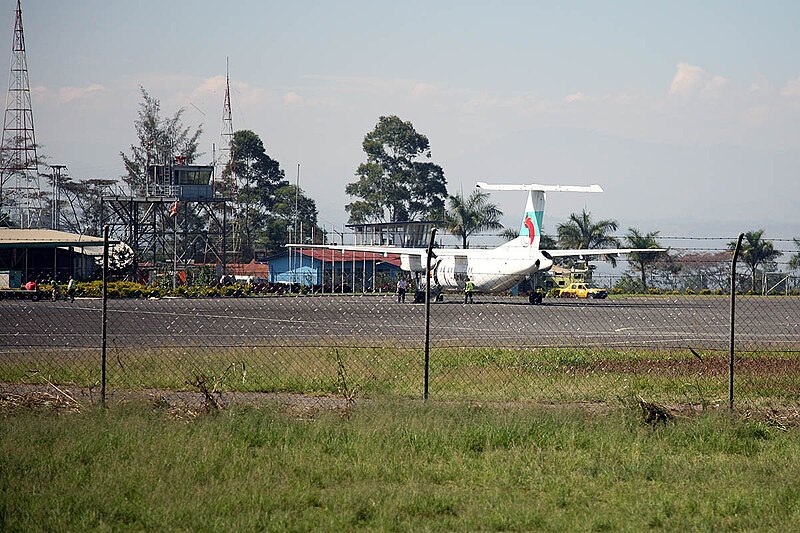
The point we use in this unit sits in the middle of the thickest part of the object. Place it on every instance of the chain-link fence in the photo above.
(671, 349)
(667, 346)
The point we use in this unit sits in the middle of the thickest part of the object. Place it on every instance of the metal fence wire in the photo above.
(670, 348)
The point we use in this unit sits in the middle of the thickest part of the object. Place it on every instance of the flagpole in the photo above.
(175, 251)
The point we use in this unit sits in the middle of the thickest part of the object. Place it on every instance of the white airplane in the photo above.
(497, 269)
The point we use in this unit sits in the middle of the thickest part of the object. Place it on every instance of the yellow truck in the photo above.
(581, 290)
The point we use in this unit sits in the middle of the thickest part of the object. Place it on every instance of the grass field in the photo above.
(393, 466)
(537, 375)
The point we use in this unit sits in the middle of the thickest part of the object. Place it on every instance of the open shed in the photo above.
(40, 254)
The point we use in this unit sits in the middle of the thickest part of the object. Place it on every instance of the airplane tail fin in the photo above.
(530, 231)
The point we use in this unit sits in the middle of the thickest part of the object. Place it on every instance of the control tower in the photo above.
(177, 225)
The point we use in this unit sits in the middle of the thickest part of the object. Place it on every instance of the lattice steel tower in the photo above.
(230, 183)
(20, 194)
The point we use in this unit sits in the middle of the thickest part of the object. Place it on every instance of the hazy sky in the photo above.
(687, 113)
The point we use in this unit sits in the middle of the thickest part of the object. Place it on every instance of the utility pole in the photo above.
(296, 215)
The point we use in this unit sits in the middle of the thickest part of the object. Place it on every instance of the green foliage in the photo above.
(794, 262)
(756, 251)
(626, 284)
(393, 466)
(266, 200)
(642, 260)
(160, 140)
(476, 213)
(581, 232)
(393, 184)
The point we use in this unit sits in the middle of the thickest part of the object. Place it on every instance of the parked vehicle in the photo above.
(34, 294)
(581, 290)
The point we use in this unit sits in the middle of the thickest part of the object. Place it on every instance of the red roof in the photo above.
(248, 269)
(337, 255)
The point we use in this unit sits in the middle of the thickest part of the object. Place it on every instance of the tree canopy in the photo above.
(641, 260)
(581, 232)
(396, 183)
(794, 262)
(161, 140)
(756, 251)
(265, 201)
(476, 213)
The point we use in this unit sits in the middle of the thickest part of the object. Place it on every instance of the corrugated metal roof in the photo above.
(248, 269)
(349, 255)
(44, 238)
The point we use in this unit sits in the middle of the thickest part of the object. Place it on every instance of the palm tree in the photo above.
(755, 251)
(581, 232)
(794, 262)
(476, 213)
(635, 239)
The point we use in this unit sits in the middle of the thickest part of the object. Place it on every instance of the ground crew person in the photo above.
(71, 289)
(402, 285)
(469, 290)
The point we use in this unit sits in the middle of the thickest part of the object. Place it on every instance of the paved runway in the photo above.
(377, 320)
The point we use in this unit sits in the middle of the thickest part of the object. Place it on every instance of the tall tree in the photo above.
(476, 213)
(642, 260)
(396, 182)
(265, 205)
(580, 231)
(755, 251)
(82, 204)
(161, 140)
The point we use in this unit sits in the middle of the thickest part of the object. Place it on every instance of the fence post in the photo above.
(105, 318)
(733, 319)
(428, 313)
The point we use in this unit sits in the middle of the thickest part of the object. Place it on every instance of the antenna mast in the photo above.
(19, 174)
(226, 161)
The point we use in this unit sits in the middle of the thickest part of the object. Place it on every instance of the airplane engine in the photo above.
(545, 262)
(450, 271)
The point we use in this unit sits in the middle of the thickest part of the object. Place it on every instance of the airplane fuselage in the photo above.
(493, 270)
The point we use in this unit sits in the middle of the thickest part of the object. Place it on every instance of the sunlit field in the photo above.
(398, 466)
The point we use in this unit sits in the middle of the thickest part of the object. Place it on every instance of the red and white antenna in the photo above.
(231, 184)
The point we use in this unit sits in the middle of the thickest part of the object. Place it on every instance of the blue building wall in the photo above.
(356, 275)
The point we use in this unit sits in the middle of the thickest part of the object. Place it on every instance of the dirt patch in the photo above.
(708, 366)
(52, 397)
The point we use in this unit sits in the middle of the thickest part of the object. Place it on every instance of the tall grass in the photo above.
(482, 374)
(396, 466)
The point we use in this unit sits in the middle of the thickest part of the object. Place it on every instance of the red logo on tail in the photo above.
(531, 228)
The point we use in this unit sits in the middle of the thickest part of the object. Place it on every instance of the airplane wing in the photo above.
(396, 250)
(538, 187)
(361, 248)
(601, 251)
